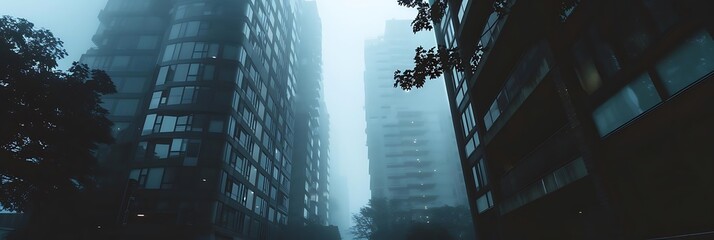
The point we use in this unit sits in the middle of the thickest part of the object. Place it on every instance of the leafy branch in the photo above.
(434, 62)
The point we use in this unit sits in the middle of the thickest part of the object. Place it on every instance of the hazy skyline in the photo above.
(346, 25)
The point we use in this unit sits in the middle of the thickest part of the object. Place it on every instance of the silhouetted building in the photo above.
(207, 97)
(413, 161)
(309, 195)
(588, 122)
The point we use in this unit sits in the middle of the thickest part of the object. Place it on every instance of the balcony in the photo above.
(555, 151)
(550, 183)
(505, 39)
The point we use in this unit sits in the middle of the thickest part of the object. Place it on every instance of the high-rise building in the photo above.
(309, 195)
(584, 119)
(413, 161)
(204, 114)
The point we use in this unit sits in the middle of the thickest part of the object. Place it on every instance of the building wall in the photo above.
(410, 140)
(570, 116)
(310, 193)
(214, 117)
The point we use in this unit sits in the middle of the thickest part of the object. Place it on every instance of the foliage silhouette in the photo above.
(52, 123)
(434, 62)
(379, 221)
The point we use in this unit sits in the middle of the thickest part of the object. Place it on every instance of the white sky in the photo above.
(346, 24)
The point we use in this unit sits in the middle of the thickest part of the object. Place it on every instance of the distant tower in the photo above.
(413, 159)
(309, 193)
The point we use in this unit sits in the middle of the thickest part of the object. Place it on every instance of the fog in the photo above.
(346, 26)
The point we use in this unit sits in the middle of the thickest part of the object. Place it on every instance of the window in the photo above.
(449, 36)
(154, 178)
(484, 202)
(233, 189)
(467, 120)
(168, 124)
(461, 88)
(489, 30)
(249, 13)
(169, 148)
(185, 73)
(462, 9)
(189, 95)
(238, 162)
(155, 100)
(182, 123)
(182, 95)
(190, 50)
(533, 66)
(472, 143)
(192, 10)
(121, 107)
(260, 206)
(273, 193)
(480, 177)
(253, 174)
(634, 99)
(687, 63)
(148, 124)
(469, 123)
(161, 151)
(249, 201)
(129, 84)
(188, 29)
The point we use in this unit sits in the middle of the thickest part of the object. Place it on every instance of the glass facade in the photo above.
(220, 112)
(633, 100)
(689, 62)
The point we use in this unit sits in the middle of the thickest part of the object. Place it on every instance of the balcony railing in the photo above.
(528, 73)
(550, 183)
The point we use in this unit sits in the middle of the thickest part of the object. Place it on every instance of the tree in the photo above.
(378, 220)
(52, 124)
(433, 62)
(456, 220)
(365, 221)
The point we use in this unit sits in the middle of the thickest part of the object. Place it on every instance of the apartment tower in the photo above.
(204, 115)
(584, 119)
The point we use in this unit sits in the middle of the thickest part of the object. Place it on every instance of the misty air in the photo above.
(356, 119)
